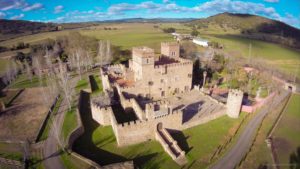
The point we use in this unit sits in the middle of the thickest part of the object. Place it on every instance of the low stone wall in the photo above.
(259, 104)
(139, 131)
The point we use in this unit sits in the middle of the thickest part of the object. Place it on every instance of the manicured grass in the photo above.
(287, 132)
(70, 122)
(98, 83)
(46, 130)
(22, 81)
(82, 84)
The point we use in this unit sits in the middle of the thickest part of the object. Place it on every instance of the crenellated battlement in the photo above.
(236, 92)
(174, 65)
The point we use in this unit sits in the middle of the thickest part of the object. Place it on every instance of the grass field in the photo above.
(23, 82)
(126, 35)
(287, 137)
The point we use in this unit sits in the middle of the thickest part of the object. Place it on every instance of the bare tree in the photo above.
(28, 70)
(63, 82)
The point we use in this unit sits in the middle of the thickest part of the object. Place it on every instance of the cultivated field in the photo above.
(23, 118)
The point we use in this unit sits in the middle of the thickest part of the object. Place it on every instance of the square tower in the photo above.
(142, 61)
(170, 49)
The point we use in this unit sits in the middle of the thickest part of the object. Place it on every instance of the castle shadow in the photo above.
(295, 159)
(85, 146)
(181, 139)
(190, 111)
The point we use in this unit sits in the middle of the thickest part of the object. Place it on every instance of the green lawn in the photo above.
(70, 122)
(287, 132)
(23, 82)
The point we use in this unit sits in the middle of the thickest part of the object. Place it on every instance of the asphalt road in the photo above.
(233, 157)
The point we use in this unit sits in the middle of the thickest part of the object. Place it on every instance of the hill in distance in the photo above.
(250, 26)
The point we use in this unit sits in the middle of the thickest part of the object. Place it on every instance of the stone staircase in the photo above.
(170, 146)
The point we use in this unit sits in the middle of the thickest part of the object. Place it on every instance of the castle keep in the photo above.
(157, 90)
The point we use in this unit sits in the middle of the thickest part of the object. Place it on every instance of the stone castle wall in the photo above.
(139, 131)
(101, 114)
(166, 80)
(171, 49)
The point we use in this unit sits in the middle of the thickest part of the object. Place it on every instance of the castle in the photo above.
(158, 90)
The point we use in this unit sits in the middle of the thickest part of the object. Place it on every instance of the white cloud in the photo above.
(35, 6)
(2, 15)
(272, 1)
(12, 4)
(149, 7)
(16, 17)
(58, 9)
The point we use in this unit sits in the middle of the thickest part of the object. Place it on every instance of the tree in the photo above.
(63, 82)
(194, 32)
(28, 70)
(169, 30)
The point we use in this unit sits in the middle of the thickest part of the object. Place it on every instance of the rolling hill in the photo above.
(250, 26)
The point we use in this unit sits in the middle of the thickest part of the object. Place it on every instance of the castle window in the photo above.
(162, 80)
(162, 93)
(189, 75)
(156, 107)
(186, 88)
(147, 61)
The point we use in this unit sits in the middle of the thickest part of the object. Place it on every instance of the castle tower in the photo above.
(170, 49)
(142, 61)
(234, 103)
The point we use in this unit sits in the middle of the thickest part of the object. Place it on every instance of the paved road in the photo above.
(233, 157)
(51, 145)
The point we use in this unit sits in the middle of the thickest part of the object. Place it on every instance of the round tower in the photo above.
(234, 103)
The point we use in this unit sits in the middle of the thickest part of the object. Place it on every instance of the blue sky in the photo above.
(287, 11)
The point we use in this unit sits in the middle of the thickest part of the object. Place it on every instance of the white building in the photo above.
(201, 42)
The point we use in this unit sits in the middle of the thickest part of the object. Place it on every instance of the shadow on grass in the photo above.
(295, 159)
(85, 146)
(181, 140)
